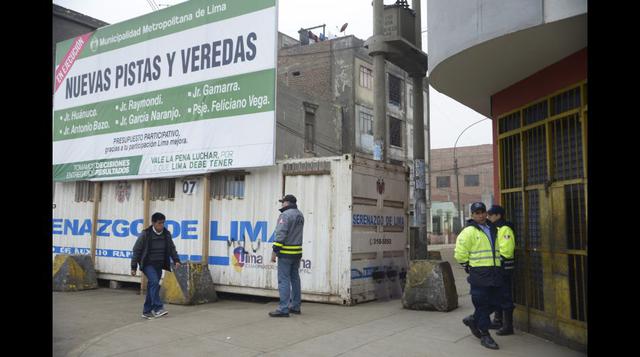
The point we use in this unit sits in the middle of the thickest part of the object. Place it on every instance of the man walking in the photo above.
(477, 251)
(503, 318)
(287, 248)
(152, 251)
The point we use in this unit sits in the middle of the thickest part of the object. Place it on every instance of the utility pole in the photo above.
(401, 44)
(427, 138)
(397, 38)
(421, 209)
(379, 95)
(455, 170)
(428, 161)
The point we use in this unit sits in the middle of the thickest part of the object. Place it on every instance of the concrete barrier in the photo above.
(430, 285)
(73, 273)
(190, 284)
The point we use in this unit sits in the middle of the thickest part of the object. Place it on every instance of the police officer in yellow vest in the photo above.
(503, 318)
(478, 251)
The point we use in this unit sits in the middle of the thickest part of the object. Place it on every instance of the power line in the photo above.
(465, 167)
(300, 135)
(320, 51)
(452, 192)
(152, 5)
(444, 113)
(437, 106)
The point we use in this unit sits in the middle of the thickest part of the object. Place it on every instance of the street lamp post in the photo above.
(455, 169)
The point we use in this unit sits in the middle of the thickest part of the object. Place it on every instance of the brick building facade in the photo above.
(475, 167)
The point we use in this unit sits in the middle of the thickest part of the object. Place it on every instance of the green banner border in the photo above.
(233, 9)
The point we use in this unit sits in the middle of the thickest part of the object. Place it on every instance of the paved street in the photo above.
(106, 322)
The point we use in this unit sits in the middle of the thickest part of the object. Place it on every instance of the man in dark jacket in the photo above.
(506, 242)
(288, 249)
(152, 251)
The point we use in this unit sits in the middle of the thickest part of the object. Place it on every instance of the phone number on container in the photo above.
(379, 241)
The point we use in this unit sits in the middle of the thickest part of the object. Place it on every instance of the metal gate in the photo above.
(543, 186)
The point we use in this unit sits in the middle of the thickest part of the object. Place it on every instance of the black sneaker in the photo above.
(148, 315)
(278, 314)
(294, 311)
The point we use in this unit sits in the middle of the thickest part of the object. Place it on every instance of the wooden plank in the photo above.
(143, 281)
(206, 209)
(94, 220)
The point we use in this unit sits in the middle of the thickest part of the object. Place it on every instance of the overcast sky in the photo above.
(448, 117)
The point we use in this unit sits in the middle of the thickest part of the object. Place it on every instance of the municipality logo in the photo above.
(241, 258)
(94, 45)
(237, 259)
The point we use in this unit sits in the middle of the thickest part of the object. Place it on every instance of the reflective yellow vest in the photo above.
(506, 241)
(473, 246)
(507, 245)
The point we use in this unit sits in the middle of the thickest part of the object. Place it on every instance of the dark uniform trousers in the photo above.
(506, 296)
(485, 300)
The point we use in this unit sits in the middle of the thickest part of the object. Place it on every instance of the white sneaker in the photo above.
(160, 312)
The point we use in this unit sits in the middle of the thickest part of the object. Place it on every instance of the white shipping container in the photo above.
(355, 213)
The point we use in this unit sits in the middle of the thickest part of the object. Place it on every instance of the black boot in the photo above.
(469, 321)
(497, 320)
(507, 326)
(487, 341)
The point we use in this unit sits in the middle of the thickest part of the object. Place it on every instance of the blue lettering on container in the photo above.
(213, 232)
(233, 234)
(246, 229)
(173, 227)
(121, 228)
(57, 226)
(134, 230)
(186, 229)
(71, 227)
(124, 232)
(103, 224)
(261, 226)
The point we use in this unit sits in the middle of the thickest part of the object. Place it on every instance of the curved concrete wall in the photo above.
(456, 25)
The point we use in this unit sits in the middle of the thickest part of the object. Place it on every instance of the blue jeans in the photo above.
(485, 300)
(288, 283)
(152, 302)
